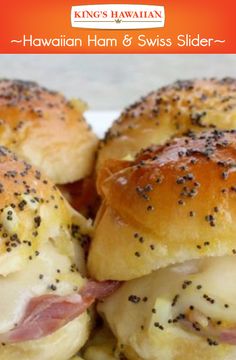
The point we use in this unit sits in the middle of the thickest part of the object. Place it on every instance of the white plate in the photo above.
(101, 120)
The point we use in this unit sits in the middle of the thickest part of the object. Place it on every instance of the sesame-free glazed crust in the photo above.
(38, 231)
(171, 111)
(46, 129)
(171, 204)
(32, 213)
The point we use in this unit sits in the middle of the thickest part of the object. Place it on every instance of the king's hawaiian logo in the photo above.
(118, 16)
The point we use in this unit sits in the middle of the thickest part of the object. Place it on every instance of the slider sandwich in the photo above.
(50, 132)
(168, 112)
(166, 229)
(44, 293)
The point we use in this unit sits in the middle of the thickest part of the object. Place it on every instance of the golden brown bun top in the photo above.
(172, 203)
(171, 111)
(47, 130)
(32, 213)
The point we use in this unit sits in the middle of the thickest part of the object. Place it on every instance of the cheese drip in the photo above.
(48, 272)
(146, 312)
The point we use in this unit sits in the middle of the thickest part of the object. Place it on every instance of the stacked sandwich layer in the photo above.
(159, 258)
(166, 226)
(45, 295)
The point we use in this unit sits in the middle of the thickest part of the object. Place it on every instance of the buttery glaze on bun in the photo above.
(168, 226)
(38, 261)
(47, 130)
(173, 203)
(171, 111)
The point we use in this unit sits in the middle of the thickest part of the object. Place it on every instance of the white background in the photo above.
(110, 82)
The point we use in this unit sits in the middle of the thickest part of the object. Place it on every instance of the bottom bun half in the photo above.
(185, 311)
(61, 345)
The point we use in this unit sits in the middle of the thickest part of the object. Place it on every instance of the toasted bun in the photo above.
(173, 203)
(47, 130)
(171, 111)
(32, 211)
(40, 234)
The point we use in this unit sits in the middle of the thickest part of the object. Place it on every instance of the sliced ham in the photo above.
(208, 330)
(99, 290)
(48, 313)
(228, 336)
